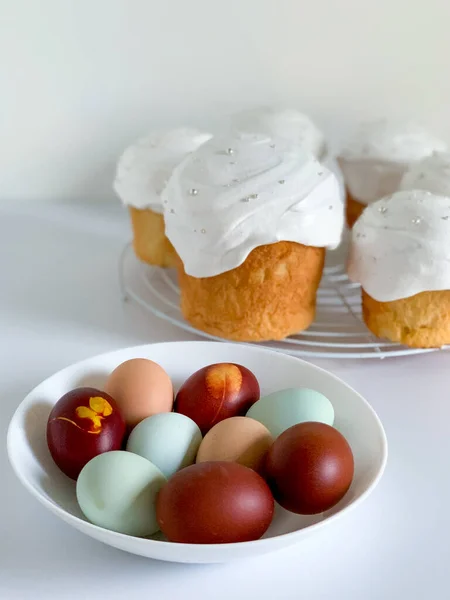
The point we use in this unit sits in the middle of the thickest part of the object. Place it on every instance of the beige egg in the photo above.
(238, 439)
(141, 388)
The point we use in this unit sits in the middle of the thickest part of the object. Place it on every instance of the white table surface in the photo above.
(59, 302)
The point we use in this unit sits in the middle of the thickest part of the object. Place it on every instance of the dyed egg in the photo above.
(83, 423)
(214, 503)
(141, 388)
(217, 392)
(238, 439)
(118, 490)
(309, 468)
(281, 410)
(169, 440)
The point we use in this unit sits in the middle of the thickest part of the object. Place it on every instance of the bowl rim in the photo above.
(289, 537)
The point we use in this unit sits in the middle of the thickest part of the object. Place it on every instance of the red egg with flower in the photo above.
(83, 423)
(217, 392)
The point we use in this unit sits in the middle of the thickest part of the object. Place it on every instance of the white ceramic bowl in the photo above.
(357, 421)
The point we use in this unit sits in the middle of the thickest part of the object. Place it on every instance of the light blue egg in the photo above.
(117, 490)
(280, 410)
(169, 440)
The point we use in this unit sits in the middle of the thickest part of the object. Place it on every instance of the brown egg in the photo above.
(141, 388)
(239, 439)
(309, 468)
(214, 503)
(217, 392)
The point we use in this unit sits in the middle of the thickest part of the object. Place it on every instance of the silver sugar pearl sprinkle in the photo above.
(230, 151)
(383, 210)
(416, 220)
(203, 230)
(193, 192)
(282, 181)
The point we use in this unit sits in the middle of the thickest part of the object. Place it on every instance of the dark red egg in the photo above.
(83, 423)
(214, 503)
(309, 468)
(217, 392)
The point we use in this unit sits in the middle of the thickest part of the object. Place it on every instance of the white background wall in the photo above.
(79, 79)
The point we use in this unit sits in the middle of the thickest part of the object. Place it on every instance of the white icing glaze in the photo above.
(401, 246)
(376, 158)
(370, 181)
(288, 124)
(145, 167)
(431, 173)
(239, 192)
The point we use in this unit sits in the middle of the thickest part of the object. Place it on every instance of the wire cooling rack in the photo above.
(337, 332)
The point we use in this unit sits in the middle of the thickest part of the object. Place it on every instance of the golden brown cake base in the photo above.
(270, 296)
(150, 243)
(353, 210)
(421, 321)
